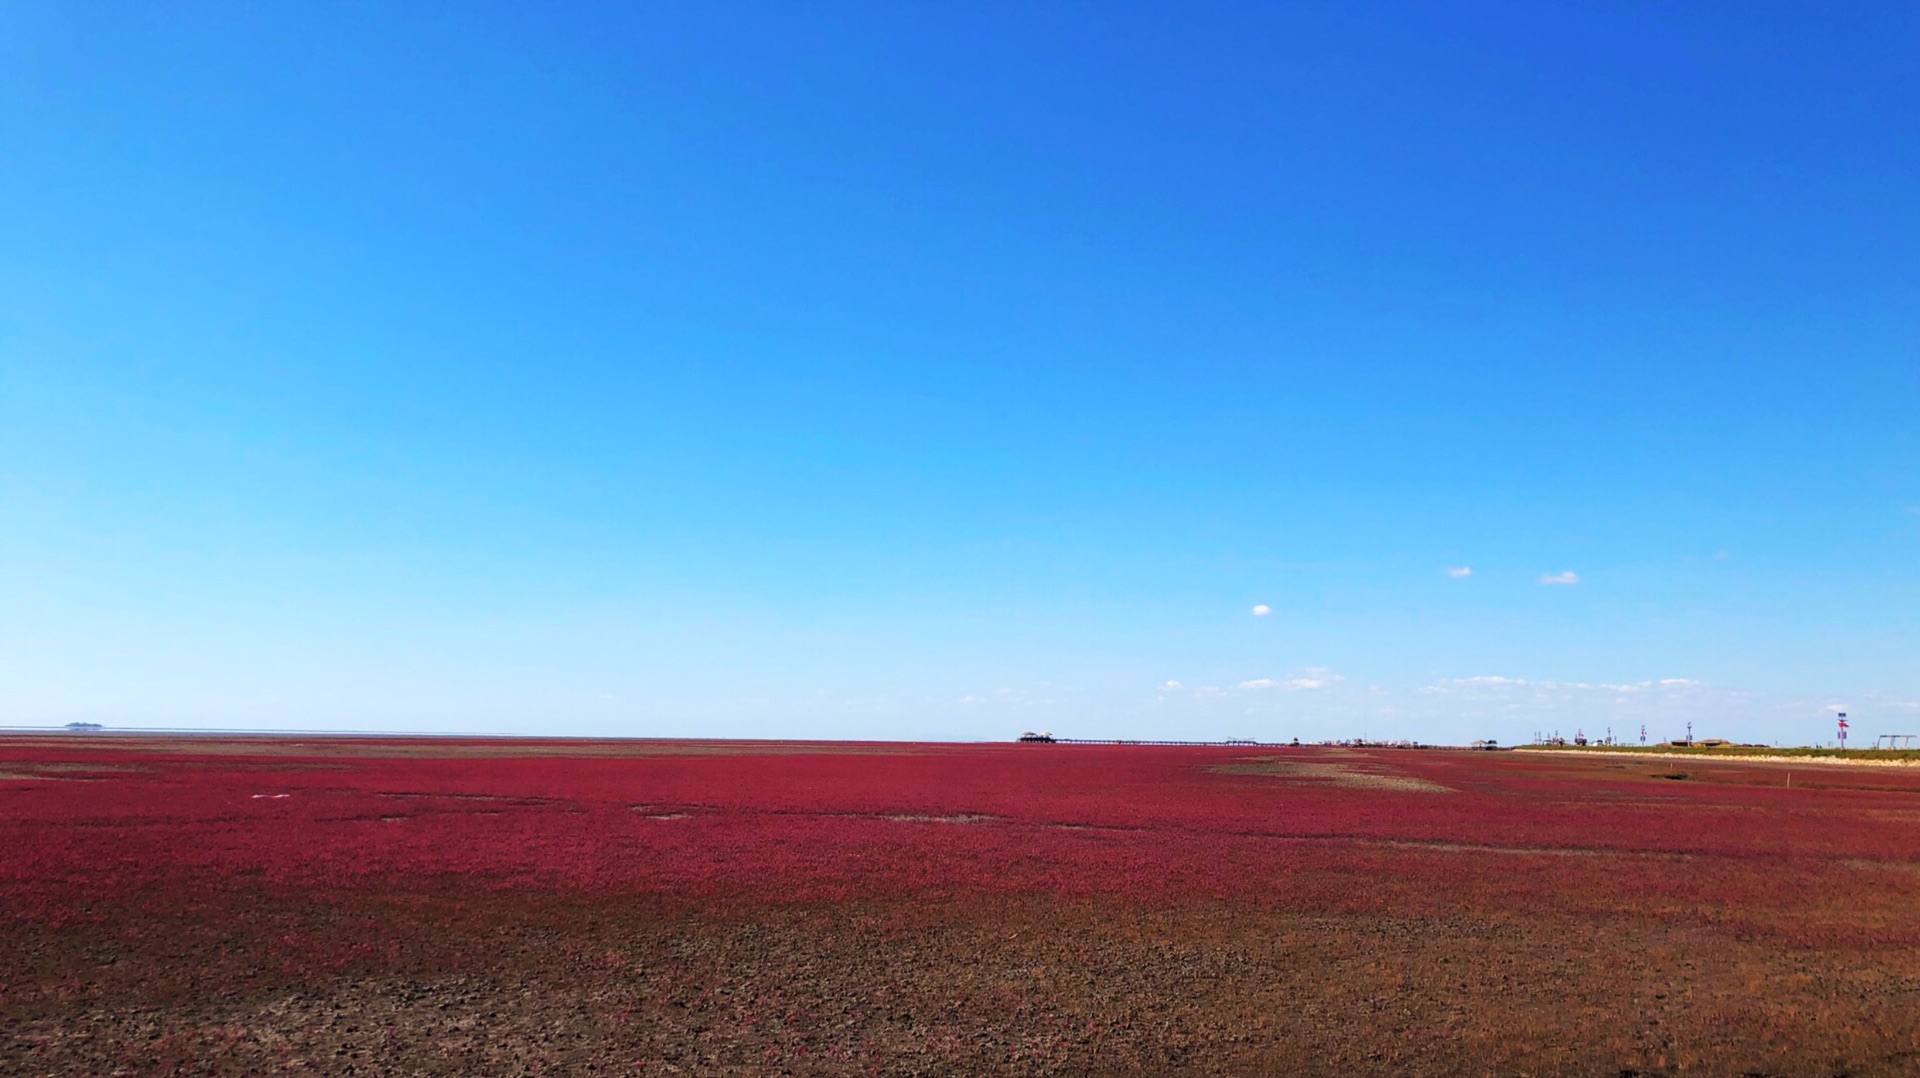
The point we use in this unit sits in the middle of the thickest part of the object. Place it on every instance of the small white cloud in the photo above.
(1678, 681)
(1564, 576)
(1458, 571)
(1261, 610)
(1314, 678)
(1171, 686)
(1721, 555)
(1481, 681)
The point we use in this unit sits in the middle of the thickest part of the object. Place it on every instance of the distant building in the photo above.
(1042, 737)
(83, 727)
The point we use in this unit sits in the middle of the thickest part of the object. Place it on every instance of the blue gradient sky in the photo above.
(903, 370)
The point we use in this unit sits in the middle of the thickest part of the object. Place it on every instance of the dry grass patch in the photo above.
(1345, 775)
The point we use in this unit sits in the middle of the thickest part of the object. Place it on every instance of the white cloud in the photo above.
(1482, 681)
(1459, 571)
(1312, 678)
(1564, 576)
(1497, 681)
(1261, 610)
(1171, 685)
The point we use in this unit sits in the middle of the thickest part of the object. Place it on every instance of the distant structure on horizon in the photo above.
(84, 727)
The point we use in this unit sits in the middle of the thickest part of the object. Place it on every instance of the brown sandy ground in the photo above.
(512, 983)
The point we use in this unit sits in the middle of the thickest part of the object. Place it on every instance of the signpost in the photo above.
(1843, 729)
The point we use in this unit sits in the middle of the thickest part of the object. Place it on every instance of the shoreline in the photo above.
(1745, 758)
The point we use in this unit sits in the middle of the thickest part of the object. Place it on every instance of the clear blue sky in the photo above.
(916, 370)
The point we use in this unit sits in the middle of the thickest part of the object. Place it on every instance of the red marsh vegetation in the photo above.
(389, 906)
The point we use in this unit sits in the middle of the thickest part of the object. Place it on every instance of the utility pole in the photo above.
(1689, 732)
(1843, 729)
